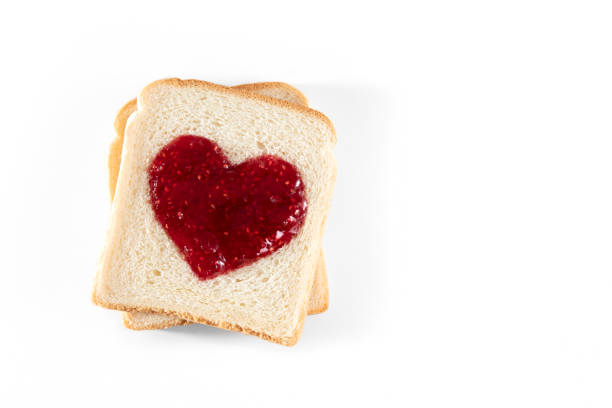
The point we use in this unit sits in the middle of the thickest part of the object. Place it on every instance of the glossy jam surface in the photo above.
(223, 216)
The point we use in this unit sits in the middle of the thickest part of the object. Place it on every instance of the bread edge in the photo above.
(130, 324)
(257, 86)
(284, 341)
(323, 305)
(116, 145)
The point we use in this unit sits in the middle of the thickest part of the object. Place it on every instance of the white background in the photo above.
(468, 247)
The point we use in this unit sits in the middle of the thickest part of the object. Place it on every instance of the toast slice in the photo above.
(319, 295)
(142, 270)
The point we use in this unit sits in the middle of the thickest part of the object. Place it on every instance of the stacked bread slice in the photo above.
(143, 272)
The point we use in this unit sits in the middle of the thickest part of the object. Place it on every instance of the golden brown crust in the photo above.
(257, 86)
(243, 93)
(114, 154)
(129, 322)
(285, 341)
(319, 294)
(123, 115)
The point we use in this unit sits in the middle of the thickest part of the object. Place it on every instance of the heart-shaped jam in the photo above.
(223, 216)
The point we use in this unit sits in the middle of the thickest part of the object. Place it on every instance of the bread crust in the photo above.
(320, 286)
(131, 323)
(258, 86)
(114, 163)
(116, 146)
(285, 341)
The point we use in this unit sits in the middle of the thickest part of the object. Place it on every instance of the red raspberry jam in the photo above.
(223, 216)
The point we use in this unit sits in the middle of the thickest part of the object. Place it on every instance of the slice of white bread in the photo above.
(319, 296)
(142, 270)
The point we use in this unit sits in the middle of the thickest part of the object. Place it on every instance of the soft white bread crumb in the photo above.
(141, 269)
